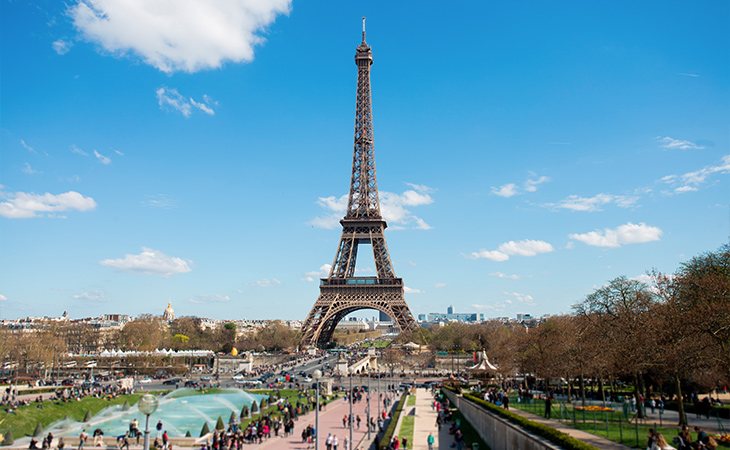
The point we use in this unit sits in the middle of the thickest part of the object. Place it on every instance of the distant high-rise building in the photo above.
(450, 309)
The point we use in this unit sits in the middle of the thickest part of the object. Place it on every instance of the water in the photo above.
(181, 411)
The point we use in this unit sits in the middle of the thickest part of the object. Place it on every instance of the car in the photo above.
(205, 378)
(238, 377)
(145, 380)
(191, 384)
(172, 381)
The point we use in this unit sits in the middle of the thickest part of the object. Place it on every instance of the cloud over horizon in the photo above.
(178, 35)
(625, 234)
(149, 261)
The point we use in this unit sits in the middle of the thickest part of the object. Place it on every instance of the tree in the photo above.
(143, 334)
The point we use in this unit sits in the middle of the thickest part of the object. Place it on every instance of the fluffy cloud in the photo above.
(149, 261)
(171, 99)
(395, 208)
(690, 181)
(210, 298)
(3, 298)
(522, 298)
(511, 189)
(24, 205)
(178, 35)
(102, 159)
(628, 233)
(439, 285)
(595, 203)
(671, 143)
(61, 47)
(525, 247)
(323, 272)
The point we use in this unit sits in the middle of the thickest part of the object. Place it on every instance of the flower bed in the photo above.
(594, 408)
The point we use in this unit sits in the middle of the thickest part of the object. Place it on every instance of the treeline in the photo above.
(670, 335)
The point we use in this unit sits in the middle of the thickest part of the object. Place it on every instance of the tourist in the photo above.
(33, 443)
(548, 405)
(98, 437)
(61, 444)
(82, 438)
(430, 440)
(661, 443)
(683, 439)
(703, 439)
(404, 442)
(357, 420)
(652, 438)
(158, 427)
(334, 443)
(328, 441)
(165, 439)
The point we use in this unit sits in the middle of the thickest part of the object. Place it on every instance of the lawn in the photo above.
(411, 400)
(24, 420)
(611, 425)
(406, 429)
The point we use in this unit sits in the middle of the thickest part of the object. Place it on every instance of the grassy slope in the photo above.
(25, 419)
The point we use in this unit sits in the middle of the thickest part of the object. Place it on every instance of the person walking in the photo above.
(82, 438)
(548, 405)
(335, 442)
(328, 441)
(430, 440)
(159, 428)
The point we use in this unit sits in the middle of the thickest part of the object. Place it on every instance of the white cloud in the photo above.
(323, 272)
(395, 208)
(29, 170)
(178, 35)
(410, 290)
(628, 233)
(3, 298)
(267, 282)
(78, 151)
(210, 298)
(92, 296)
(522, 298)
(102, 159)
(171, 99)
(24, 205)
(671, 143)
(61, 47)
(505, 276)
(530, 185)
(689, 74)
(489, 307)
(439, 285)
(507, 190)
(690, 181)
(527, 247)
(149, 261)
(119, 152)
(27, 147)
(161, 201)
(593, 204)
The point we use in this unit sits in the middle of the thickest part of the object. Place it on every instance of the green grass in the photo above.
(411, 400)
(25, 418)
(611, 425)
(406, 429)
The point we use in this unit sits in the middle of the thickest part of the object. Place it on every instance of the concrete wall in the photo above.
(497, 433)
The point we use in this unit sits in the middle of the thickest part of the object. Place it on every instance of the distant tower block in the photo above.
(450, 309)
(342, 293)
(169, 314)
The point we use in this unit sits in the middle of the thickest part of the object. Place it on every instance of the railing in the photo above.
(361, 281)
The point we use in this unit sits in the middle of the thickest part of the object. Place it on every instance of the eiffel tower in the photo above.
(342, 292)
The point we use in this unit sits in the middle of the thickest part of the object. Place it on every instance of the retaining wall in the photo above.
(497, 433)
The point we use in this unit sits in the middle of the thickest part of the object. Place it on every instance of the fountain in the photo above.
(181, 411)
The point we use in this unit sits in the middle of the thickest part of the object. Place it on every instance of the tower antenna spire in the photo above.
(363, 29)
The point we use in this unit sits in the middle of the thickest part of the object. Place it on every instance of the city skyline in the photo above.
(525, 157)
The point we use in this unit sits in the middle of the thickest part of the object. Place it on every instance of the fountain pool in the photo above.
(181, 411)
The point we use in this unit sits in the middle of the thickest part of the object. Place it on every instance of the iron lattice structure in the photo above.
(342, 292)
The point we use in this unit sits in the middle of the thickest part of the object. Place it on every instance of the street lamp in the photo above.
(369, 394)
(147, 405)
(316, 375)
(349, 370)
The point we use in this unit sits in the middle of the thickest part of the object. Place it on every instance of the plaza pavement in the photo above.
(425, 423)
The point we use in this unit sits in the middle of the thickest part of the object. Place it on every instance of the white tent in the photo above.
(484, 363)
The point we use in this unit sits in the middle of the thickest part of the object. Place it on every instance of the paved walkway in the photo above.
(592, 439)
(330, 421)
(425, 423)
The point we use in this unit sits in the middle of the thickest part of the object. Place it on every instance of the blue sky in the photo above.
(198, 152)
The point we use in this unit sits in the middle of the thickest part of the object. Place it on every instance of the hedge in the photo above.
(551, 434)
(384, 441)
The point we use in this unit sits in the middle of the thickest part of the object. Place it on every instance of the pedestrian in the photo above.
(430, 440)
(404, 442)
(548, 405)
(358, 419)
(60, 444)
(334, 443)
(328, 441)
(83, 437)
(159, 427)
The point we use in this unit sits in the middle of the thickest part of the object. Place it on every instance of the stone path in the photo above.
(425, 423)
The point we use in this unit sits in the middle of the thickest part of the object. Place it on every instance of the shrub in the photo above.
(254, 407)
(219, 425)
(390, 430)
(551, 434)
(244, 412)
(205, 430)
